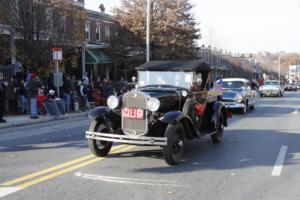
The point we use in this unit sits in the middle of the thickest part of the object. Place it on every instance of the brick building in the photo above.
(96, 58)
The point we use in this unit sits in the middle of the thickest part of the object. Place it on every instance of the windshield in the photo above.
(271, 83)
(233, 84)
(180, 79)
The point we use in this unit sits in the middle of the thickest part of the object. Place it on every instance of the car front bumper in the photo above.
(126, 139)
(234, 105)
(270, 92)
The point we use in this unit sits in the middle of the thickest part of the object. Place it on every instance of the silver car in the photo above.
(271, 88)
(238, 94)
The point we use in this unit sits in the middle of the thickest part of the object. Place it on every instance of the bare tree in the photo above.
(173, 28)
(40, 25)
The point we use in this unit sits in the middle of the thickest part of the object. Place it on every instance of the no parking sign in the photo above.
(57, 55)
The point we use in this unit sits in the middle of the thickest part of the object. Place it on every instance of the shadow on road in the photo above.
(240, 149)
(49, 141)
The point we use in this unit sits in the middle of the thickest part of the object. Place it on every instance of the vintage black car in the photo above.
(290, 87)
(238, 94)
(171, 104)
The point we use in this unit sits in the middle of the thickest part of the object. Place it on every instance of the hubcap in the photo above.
(178, 145)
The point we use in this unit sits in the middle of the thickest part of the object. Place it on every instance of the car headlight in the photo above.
(112, 102)
(153, 104)
(184, 93)
(239, 98)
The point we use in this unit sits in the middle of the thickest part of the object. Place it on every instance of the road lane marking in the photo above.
(4, 191)
(30, 176)
(66, 170)
(279, 161)
(51, 169)
(136, 181)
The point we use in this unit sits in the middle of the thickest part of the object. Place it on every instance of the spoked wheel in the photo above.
(98, 147)
(217, 137)
(174, 149)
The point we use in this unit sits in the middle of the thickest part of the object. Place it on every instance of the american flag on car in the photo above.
(219, 85)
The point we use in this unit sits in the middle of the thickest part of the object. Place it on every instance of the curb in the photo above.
(43, 119)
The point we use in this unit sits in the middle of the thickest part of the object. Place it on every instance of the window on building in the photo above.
(98, 32)
(107, 31)
(49, 14)
(64, 22)
(87, 31)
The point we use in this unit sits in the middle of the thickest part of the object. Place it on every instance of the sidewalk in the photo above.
(22, 120)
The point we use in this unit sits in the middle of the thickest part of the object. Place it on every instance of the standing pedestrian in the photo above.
(22, 93)
(121, 86)
(85, 77)
(107, 89)
(33, 92)
(67, 92)
(11, 95)
(82, 94)
(2, 102)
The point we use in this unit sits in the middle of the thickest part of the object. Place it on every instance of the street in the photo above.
(259, 158)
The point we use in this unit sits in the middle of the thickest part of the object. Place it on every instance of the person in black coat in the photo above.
(2, 102)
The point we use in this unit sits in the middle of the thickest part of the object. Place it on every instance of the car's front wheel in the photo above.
(217, 137)
(174, 149)
(98, 147)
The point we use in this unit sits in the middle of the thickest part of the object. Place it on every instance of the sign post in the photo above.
(57, 58)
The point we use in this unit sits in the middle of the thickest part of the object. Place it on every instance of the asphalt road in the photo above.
(258, 159)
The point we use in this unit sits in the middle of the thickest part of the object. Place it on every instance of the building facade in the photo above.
(96, 58)
(83, 51)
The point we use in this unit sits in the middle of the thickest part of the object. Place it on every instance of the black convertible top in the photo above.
(173, 65)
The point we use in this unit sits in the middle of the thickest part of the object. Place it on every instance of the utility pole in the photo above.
(148, 32)
(279, 66)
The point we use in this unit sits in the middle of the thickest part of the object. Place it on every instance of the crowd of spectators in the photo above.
(29, 95)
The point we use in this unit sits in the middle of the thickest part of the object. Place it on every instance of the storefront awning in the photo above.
(97, 56)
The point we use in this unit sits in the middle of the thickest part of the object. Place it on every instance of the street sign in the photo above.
(57, 55)
(58, 79)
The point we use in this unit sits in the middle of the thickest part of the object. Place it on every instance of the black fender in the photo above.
(174, 117)
(106, 113)
(219, 109)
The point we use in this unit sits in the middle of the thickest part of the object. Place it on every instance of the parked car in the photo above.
(170, 105)
(271, 88)
(238, 94)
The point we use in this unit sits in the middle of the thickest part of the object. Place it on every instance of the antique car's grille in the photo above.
(131, 126)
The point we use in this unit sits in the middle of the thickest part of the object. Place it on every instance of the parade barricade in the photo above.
(55, 107)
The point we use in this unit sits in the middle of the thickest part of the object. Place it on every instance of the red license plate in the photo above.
(133, 113)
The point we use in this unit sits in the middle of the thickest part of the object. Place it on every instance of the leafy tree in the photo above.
(173, 29)
(40, 25)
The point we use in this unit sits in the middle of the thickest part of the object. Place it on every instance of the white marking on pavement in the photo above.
(151, 182)
(279, 161)
(4, 191)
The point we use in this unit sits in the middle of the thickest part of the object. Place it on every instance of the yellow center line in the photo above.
(66, 170)
(51, 169)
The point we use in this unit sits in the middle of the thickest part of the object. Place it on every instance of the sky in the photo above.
(242, 26)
